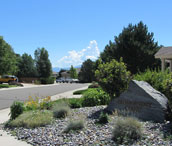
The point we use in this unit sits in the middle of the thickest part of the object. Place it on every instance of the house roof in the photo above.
(164, 52)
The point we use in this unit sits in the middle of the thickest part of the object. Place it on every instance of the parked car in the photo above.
(8, 79)
(67, 80)
(75, 80)
(60, 80)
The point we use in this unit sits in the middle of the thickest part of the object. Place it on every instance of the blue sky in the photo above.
(74, 30)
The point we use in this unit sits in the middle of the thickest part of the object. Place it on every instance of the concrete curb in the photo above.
(7, 139)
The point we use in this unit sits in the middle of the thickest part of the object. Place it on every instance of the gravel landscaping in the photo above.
(92, 134)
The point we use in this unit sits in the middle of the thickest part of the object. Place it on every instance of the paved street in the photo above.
(8, 96)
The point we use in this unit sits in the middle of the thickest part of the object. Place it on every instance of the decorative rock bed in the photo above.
(92, 134)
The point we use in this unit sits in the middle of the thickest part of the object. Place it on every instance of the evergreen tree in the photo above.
(136, 46)
(43, 64)
(87, 71)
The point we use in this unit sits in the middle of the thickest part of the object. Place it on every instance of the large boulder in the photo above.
(142, 101)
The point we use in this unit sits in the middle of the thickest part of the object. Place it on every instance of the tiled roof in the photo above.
(164, 52)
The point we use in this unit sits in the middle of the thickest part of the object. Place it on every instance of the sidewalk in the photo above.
(8, 140)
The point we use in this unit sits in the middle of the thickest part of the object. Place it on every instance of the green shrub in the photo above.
(7, 86)
(127, 131)
(32, 119)
(16, 109)
(72, 102)
(155, 78)
(61, 110)
(75, 102)
(113, 77)
(74, 126)
(103, 118)
(79, 92)
(49, 80)
(95, 97)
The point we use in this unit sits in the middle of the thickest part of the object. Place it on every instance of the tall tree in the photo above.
(26, 66)
(136, 46)
(8, 63)
(73, 73)
(87, 71)
(43, 63)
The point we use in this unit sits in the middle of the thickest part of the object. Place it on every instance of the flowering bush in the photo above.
(46, 103)
(37, 103)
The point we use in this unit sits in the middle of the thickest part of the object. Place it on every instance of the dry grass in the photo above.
(32, 119)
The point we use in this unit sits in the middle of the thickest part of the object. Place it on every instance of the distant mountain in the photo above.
(57, 69)
(78, 66)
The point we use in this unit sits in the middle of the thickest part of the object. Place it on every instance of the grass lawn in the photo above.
(78, 92)
(7, 86)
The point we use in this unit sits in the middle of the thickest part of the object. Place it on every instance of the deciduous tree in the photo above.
(8, 63)
(73, 73)
(27, 66)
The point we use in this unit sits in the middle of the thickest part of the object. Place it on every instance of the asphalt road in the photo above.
(7, 97)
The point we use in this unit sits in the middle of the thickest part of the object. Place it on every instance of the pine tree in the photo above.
(136, 46)
(43, 64)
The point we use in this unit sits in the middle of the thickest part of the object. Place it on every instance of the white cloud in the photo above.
(78, 57)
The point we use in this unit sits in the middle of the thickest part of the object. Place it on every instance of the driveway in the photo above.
(7, 97)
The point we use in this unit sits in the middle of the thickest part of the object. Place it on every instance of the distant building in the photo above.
(65, 74)
(55, 74)
(165, 54)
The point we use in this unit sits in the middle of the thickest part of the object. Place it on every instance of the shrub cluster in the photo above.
(113, 77)
(49, 80)
(75, 102)
(127, 131)
(16, 109)
(155, 78)
(95, 97)
(91, 97)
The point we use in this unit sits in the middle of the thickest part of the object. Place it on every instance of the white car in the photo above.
(75, 80)
(60, 80)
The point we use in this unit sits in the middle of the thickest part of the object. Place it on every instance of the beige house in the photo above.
(165, 54)
(65, 74)
(54, 74)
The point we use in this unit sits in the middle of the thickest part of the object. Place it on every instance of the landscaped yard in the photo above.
(61, 131)
(71, 122)
(82, 121)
